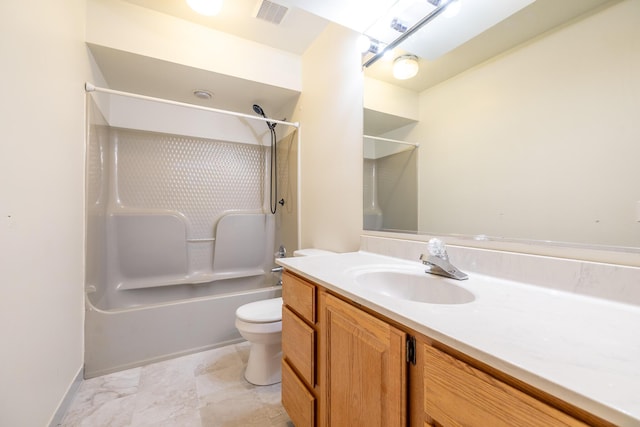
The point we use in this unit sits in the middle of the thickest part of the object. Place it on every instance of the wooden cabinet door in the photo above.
(363, 367)
(456, 394)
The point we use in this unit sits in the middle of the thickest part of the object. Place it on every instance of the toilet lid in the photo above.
(265, 311)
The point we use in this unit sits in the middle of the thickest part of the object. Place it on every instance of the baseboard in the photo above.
(56, 420)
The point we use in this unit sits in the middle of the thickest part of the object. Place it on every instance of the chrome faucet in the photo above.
(281, 253)
(437, 261)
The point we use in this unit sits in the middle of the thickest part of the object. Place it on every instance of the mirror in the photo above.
(527, 132)
(390, 184)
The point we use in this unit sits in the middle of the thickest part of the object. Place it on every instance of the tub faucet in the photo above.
(437, 261)
(282, 253)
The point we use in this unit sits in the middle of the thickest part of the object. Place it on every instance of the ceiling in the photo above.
(302, 24)
(294, 34)
(306, 19)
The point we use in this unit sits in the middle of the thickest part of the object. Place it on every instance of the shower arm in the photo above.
(88, 87)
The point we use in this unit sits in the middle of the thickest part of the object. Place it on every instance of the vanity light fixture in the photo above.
(399, 25)
(206, 7)
(369, 45)
(405, 67)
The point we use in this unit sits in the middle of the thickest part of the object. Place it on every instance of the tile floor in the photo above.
(199, 390)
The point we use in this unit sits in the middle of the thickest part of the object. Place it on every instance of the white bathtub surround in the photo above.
(177, 235)
(600, 280)
(581, 349)
(203, 389)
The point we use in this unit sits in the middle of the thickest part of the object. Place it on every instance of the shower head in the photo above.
(258, 109)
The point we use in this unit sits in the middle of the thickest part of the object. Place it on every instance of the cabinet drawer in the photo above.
(300, 296)
(296, 399)
(458, 394)
(298, 345)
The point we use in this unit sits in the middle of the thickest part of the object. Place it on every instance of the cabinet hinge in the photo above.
(411, 350)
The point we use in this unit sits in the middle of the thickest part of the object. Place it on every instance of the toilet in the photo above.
(260, 323)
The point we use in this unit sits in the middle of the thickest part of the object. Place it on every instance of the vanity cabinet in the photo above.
(346, 365)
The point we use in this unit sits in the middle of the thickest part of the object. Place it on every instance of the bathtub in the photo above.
(122, 338)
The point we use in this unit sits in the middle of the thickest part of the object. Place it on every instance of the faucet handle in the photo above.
(437, 248)
(282, 252)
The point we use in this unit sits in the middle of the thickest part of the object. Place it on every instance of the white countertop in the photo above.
(583, 350)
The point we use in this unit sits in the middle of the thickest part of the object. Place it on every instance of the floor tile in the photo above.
(204, 389)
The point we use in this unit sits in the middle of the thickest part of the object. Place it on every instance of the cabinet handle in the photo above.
(411, 349)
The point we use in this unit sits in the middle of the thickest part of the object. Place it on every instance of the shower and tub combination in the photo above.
(179, 231)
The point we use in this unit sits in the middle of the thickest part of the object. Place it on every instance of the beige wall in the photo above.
(541, 143)
(330, 110)
(390, 99)
(44, 66)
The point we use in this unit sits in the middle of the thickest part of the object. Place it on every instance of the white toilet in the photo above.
(260, 323)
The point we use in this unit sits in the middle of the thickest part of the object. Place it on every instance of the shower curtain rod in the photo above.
(377, 138)
(88, 87)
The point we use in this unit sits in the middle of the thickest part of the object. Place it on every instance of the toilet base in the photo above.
(265, 364)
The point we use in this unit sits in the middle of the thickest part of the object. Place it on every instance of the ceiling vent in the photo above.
(271, 12)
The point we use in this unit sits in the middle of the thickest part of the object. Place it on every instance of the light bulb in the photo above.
(452, 9)
(364, 43)
(405, 67)
(206, 7)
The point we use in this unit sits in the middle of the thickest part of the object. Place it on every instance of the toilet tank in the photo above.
(311, 252)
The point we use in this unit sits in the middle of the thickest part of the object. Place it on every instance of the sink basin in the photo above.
(415, 285)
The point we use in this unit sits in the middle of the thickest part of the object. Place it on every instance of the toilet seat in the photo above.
(265, 311)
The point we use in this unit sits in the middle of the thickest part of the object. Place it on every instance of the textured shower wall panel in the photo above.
(201, 180)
